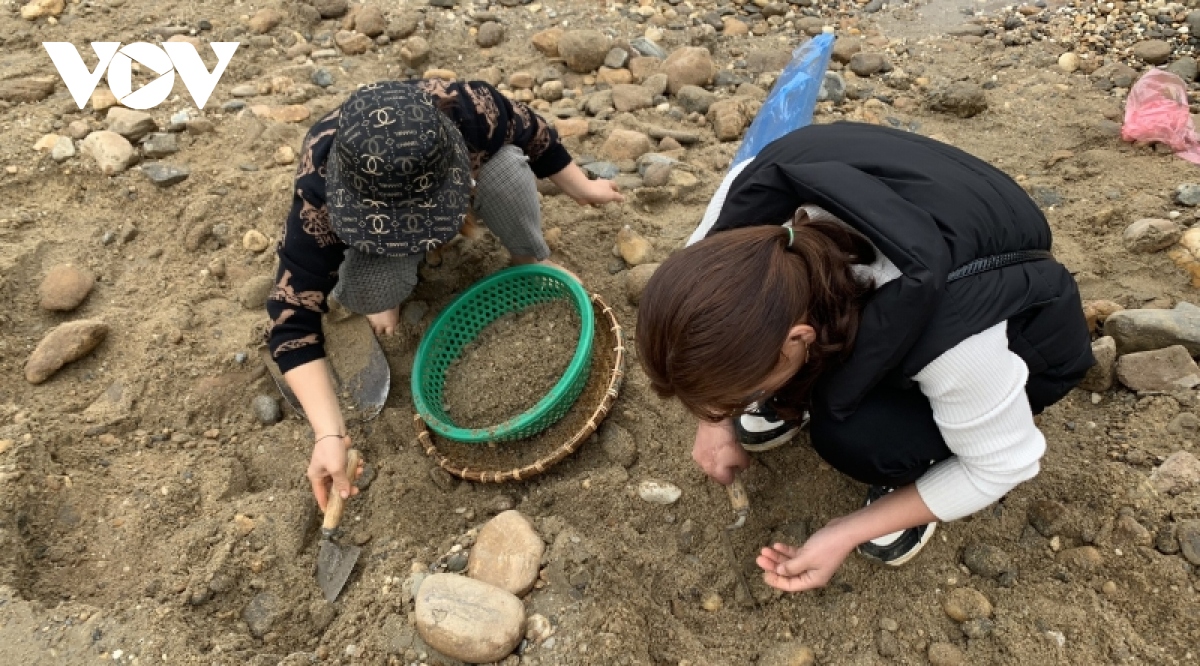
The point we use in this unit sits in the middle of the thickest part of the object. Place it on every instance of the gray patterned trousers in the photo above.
(506, 201)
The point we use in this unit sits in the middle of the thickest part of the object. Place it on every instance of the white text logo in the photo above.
(118, 61)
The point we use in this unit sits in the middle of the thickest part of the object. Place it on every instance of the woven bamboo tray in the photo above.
(606, 385)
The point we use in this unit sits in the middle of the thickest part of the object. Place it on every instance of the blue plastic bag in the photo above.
(793, 98)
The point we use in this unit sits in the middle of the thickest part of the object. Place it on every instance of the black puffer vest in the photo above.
(930, 208)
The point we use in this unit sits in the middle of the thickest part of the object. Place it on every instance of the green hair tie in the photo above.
(791, 236)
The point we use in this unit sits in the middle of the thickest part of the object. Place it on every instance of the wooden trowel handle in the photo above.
(335, 504)
(740, 501)
(738, 497)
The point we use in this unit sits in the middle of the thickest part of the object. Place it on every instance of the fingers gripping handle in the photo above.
(335, 504)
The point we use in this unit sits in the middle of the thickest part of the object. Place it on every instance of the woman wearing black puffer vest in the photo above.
(894, 293)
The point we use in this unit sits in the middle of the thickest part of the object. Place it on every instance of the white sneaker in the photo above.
(898, 547)
(759, 428)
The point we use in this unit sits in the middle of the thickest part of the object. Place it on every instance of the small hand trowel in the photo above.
(335, 561)
(741, 509)
(358, 363)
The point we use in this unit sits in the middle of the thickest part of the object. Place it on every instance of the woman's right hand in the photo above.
(313, 385)
(328, 464)
(717, 452)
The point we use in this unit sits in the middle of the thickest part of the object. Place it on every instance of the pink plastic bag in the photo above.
(1157, 110)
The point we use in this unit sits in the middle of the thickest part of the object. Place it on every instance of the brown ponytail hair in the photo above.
(714, 317)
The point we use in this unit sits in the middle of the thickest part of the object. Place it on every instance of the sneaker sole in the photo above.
(916, 549)
(772, 443)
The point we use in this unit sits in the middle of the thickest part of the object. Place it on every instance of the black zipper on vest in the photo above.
(984, 264)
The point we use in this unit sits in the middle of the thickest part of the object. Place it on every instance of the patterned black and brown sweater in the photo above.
(309, 252)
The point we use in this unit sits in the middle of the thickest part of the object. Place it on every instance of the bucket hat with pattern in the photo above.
(398, 180)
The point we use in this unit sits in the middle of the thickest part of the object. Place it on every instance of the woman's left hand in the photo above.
(574, 183)
(808, 567)
(596, 192)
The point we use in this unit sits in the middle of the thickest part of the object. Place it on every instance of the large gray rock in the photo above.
(111, 152)
(129, 123)
(404, 25)
(633, 247)
(833, 88)
(648, 48)
(751, 92)
(266, 408)
(1189, 541)
(787, 654)
(657, 174)
(1179, 472)
(968, 30)
(1128, 531)
(616, 59)
(26, 90)
(547, 40)
(1151, 235)
(626, 145)
(866, 64)
(636, 280)
(619, 446)
(583, 50)
(986, 560)
(415, 51)
(507, 553)
(1153, 51)
(165, 175)
(63, 344)
(467, 619)
(729, 118)
(160, 144)
(370, 20)
(352, 43)
(695, 99)
(631, 97)
(1101, 376)
(262, 612)
(656, 83)
(490, 34)
(845, 48)
(689, 66)
(767, 60)
(964, 603)
(331, 8)
(65, 286)
(254, 291)
(64, 149)
(945, 654)
(1169, 369)
(1185, 68)
(1051, 518)
(1114, 75)
(598, 102)
(1146, 330)
(265, 20)
(962, 98)
(1188, 194)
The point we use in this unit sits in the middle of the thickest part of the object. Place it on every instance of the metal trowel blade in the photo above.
(334, 564)
(359, 365)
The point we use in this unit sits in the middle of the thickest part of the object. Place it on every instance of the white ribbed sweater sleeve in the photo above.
(977, 391)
